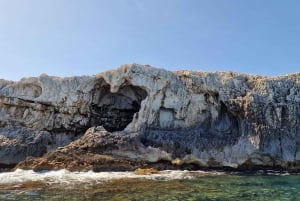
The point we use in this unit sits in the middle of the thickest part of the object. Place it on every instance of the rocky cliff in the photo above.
(143, 115)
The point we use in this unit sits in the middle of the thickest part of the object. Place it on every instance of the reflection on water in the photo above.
(168, 185)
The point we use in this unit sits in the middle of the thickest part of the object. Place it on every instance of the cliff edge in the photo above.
(140, 116)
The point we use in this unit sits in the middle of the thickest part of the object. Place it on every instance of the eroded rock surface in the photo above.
(218, 119)
(100, 150)
(19, 142)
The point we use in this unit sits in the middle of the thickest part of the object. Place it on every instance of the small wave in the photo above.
(273, 173)
(67, 177)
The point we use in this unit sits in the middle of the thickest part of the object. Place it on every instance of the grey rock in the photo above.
(206, 118)
(16, 143)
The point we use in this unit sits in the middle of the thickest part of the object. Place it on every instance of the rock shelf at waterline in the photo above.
(138, 116)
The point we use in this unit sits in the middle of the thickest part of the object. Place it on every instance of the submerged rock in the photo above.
(147, 171)
(143, 115)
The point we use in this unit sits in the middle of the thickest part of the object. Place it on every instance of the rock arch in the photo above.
(114, 111)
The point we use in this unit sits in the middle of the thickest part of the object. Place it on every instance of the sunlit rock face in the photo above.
(207, 119)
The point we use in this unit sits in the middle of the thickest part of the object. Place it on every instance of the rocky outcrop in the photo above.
(150, 115)
(100, 150)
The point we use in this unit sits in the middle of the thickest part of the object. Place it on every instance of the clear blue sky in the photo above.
(84, 37)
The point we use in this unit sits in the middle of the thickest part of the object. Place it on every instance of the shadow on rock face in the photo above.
(222, 132)
(114, 111)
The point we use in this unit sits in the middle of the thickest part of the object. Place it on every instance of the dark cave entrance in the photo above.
(114, 111)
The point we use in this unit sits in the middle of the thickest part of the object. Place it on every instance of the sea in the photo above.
(63, 185)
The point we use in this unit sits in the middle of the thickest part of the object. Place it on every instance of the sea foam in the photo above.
(67, 177)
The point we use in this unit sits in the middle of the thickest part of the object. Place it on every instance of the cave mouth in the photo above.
(114, 111)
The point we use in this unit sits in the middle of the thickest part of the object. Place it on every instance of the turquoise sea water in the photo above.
(169, 185)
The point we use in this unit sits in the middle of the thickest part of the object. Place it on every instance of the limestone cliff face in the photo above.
(208, 119)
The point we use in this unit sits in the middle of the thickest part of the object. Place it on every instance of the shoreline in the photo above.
(168, 166)
(139, 116)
